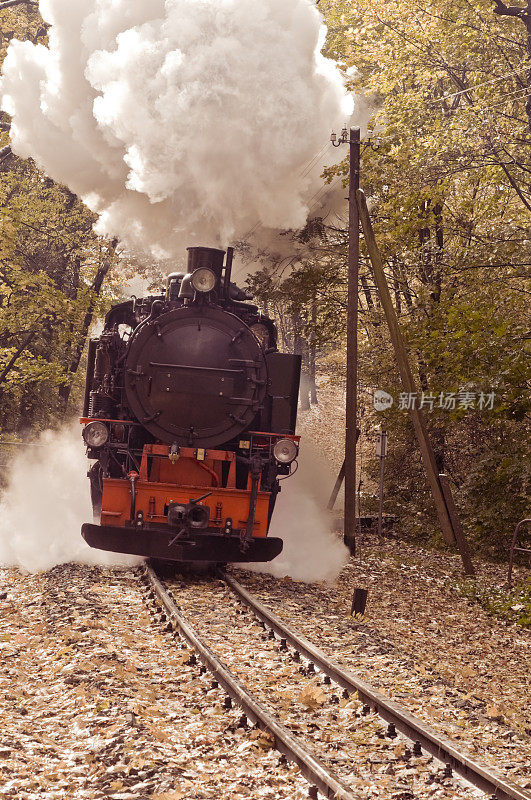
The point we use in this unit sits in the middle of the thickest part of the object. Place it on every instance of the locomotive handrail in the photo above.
(189, 366)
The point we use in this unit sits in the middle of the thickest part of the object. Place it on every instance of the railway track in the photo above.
(321, 778)
(351, 735)
(423, 736)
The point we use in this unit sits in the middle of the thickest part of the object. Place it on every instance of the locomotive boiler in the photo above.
(189, 416)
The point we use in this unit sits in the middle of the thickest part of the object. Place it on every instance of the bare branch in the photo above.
(515, 185)
(16, 355)
(5, 152)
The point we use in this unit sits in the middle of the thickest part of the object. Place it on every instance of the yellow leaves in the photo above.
(137, 762)
(312, 696)
(116, 785)
(97, 588)
(112, 729)
(399, 749)
(174, 794)
(125, 672)
(41, 627)
(467, 672)
(349, 706)
(146, 693)
(494, 712)
(86, 666)
(262, 739)
(7, 228)
(156, 732)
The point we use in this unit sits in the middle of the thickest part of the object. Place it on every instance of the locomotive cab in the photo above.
(190, 419)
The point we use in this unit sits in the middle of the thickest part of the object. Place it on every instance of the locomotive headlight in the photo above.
(95, 434)
(203, 280)
(285, 451)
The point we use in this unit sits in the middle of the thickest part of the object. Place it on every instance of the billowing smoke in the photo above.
(45, 503)
(179, 122)
(311, 551)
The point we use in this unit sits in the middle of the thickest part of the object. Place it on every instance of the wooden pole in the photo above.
(339, 480)
(456, 524)
(406, 376)
(382, 452)
(337, 486)
(350, 527)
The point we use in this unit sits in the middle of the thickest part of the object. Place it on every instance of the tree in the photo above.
(56, 276)
(524, 15)
(450, 197)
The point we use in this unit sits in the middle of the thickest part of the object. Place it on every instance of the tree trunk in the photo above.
(396, 287)
(437, 260)
(304, 392)
(367, 294)
(523, 13)
(313, 383)
(16, 355)
(97, 284)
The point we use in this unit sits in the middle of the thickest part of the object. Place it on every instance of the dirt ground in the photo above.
(425, 640)
(424, 644)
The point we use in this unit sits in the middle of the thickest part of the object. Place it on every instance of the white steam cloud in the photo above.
(311, 551)
(44, 505)
(179, 122)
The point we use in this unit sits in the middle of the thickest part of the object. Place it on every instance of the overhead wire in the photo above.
(311, 164)
(306, 169)
(519, 94)
(479, 85)
(320, 193)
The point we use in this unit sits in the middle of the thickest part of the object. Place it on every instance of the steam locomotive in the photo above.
(189, 416)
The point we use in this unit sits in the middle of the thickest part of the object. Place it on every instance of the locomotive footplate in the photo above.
(162, 543)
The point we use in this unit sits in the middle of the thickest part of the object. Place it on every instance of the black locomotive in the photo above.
(190, 415)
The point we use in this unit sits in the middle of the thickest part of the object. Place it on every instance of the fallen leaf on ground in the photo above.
(312, 696)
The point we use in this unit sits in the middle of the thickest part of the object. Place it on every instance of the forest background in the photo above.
(449, 185)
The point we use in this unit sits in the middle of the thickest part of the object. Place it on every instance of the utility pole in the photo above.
(348, 470)
(350, 529)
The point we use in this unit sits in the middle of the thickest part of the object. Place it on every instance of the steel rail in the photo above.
(441, 747)
(312, 769)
